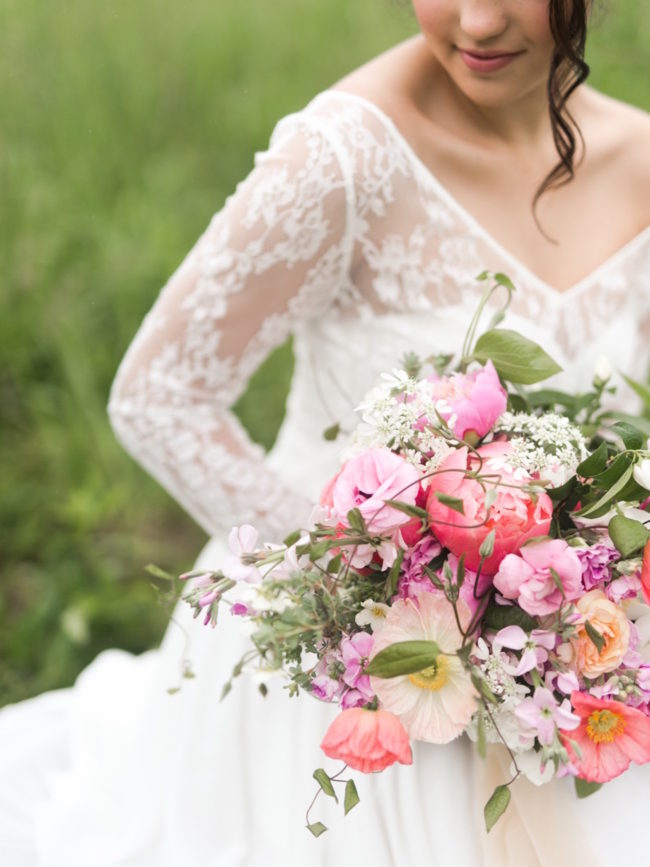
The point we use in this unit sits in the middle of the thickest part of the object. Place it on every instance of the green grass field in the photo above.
(123, 126)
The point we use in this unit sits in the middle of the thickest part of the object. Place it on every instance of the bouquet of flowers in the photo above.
(479, 564)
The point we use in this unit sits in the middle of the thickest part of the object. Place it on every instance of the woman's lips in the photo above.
(487, 61)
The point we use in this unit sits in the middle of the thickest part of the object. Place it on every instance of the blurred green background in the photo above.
(123, 126)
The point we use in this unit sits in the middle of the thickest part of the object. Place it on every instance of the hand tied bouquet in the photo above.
(480, 564)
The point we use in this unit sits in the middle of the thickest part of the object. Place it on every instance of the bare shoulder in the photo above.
(621, 133)
(389, 79)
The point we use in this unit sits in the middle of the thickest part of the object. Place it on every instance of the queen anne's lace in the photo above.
(339, 221)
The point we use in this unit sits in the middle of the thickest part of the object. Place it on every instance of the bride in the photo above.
(475, 145)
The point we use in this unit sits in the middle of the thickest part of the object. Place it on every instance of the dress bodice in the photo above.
(342, 236)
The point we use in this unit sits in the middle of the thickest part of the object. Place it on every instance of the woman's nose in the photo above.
(482, 20)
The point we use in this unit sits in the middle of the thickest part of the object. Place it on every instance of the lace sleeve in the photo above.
(277, 253)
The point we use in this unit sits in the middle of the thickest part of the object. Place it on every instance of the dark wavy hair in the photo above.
(568, 23)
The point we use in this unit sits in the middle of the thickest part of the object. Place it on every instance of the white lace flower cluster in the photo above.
(547, 445)
(401, 414)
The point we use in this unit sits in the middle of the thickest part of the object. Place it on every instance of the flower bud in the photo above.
(642, 473)
(602, 371)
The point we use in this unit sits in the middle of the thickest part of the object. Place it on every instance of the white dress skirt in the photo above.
(344, 238)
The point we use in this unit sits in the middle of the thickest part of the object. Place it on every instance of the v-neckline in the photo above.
(475, 226)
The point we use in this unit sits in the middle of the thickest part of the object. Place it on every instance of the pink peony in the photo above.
(367, 740)
(472, 401)
(527, 577)
(367, 481)
(609, 737)
(515, 516)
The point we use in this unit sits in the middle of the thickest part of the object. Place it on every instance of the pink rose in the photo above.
(367, 481)
(515, 516)
(367, 740)
(475, 401)
(527, 578)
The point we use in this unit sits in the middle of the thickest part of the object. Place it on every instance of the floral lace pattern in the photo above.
(338, 222)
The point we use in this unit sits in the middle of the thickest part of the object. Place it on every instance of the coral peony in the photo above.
(435, 704)
(614, 627)
(471, 402)
(528, 578)
(367, 740)
(367, 481)
(609, 737)
(515, 516)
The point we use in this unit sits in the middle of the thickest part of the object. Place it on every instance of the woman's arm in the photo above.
(277, 253)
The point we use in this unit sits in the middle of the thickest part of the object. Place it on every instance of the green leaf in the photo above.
(393, 575)
(628, 535)
(595, 636)
(292, 538)
(403, 657)
(334, 565)
(331, 433)
(496, 806)
(607, 497)
(505, 281)
(355, 520)
(157, 572)
(483, 688)
(642, 390)
(451, 502)
(351, 798)
(563, 491)
(319, 549)
(408, 509)
(515, 358)
(557, 581)
(323, 780)
(550, 397)
(584, 788)
(613, 472)
(499, 616)
(316, 828)
(595, 463)
(632, 437)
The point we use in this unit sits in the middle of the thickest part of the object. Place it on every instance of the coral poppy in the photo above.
(367, 740)
(609, 737)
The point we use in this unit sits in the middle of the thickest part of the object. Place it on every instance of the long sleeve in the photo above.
(277, 253)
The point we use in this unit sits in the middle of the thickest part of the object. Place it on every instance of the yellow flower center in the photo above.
(434, 677)
(604, 726)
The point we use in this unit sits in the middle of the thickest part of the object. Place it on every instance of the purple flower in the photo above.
(535, 646)
(542, 714)
(625, 587)
(326, 688)
(595, 561)
(413, 579)
(327, 684)
(355, 652)
(353, 698)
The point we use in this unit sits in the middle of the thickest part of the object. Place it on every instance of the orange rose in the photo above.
(608, 620)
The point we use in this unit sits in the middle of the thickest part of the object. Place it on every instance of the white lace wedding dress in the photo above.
(343, 237)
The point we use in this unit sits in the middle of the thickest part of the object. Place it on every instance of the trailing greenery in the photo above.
(124, 127)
